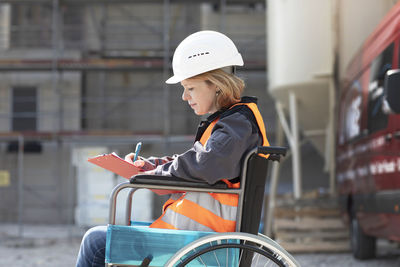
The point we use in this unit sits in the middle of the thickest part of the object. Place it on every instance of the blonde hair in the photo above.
(229, 86)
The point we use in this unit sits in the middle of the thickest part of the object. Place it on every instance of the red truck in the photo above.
(368, 139)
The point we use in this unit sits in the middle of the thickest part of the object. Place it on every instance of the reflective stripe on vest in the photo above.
(206, 211)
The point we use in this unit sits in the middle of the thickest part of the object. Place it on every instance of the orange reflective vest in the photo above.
(206, 211)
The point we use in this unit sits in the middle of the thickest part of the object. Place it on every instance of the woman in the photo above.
(203, 64)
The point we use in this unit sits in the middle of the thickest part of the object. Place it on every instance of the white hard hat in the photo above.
(201, 52)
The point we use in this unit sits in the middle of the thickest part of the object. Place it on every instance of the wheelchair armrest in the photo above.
(275, 152)
(173, 181)
(165, 183)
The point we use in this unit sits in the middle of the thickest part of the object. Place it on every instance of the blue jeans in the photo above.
(93, 248)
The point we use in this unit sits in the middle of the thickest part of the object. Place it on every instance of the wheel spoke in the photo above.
(227, 258)
(215, 254)
(258, 258)
(200, 258)
(202, 261)
(241, 253)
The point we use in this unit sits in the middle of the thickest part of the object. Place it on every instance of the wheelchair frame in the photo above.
(171, 183)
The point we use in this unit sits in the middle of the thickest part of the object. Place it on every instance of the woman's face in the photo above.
(200, 96)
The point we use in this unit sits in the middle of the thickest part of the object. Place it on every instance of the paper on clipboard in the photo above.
(114, 163)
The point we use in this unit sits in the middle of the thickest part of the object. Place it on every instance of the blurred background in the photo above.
(80, 78)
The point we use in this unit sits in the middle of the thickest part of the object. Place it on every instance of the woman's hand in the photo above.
(138, 163)
(145, 167)
(129, 158)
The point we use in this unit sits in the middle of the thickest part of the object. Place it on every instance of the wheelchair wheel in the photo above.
(232, 249)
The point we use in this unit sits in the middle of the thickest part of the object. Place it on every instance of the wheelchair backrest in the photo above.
(256, 176)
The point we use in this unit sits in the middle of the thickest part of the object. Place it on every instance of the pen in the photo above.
(137, 150)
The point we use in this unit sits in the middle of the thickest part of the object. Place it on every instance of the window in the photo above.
(350, 113)
(32, 26)
(24, 109)
(377, 118)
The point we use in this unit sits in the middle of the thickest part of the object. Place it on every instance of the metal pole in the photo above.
(59, 177)
(292, 138)
(128, 209)
(54, 32)
(166, 64)
(269, 214)
(20, 184)
(70, 192)
(222, 15)
(55, 78)
(102, 89)
(296, 146)
(284, 124)
(330, 159)
(54, 29)
(5, 23)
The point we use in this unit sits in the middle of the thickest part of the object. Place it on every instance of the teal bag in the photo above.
(132, 244)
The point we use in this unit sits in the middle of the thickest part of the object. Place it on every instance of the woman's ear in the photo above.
(216, 88)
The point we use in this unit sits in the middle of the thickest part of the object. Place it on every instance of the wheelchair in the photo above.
(135, 244)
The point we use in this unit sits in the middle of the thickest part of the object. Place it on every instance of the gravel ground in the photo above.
(57, 246)
(39, 245)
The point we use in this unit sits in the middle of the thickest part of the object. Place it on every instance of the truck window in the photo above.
(377, 118)
(350, 113)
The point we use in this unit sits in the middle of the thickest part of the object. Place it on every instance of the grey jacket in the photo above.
(235, 133)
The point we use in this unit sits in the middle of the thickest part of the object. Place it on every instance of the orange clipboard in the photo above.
(114, 163)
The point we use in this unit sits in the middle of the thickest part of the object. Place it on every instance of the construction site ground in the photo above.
(57, 246)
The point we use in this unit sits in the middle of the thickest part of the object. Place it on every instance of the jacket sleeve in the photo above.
(221, 158)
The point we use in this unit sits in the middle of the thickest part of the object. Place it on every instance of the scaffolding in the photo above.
(98, 65)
